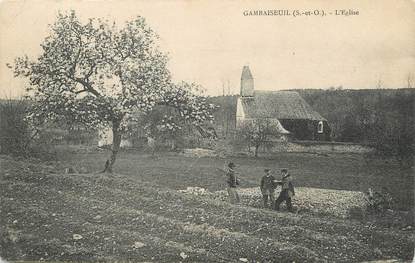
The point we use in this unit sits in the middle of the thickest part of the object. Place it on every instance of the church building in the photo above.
(293, 116)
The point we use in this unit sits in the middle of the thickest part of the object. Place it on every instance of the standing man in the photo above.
(267, 187)
(287, 191)
(233, 182)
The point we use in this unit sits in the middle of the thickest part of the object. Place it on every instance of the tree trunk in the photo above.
(116, 141)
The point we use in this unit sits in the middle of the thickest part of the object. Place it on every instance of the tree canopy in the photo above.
(99, 74)
(258, 132)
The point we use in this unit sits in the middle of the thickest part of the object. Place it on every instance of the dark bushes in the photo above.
(15, 134)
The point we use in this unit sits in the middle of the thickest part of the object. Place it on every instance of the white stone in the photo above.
(138, 244)
(183, 255)
(77, 237)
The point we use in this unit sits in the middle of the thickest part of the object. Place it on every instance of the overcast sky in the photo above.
(209, 41)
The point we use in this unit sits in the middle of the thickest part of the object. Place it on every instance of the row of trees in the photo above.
(382, 118)
(19, 138)
(99, 74)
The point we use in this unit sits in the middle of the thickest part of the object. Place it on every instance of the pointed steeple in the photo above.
(247, 83)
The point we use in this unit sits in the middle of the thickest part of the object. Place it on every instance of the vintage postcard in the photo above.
(207, 131)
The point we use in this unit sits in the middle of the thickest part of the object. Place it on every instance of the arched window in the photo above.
(320, 127)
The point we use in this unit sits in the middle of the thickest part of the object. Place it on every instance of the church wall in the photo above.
(306, 129)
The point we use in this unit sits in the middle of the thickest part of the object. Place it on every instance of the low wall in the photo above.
(320, 147)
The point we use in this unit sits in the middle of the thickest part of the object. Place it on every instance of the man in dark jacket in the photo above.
(267, 187)
(287, 191)
(233, 182)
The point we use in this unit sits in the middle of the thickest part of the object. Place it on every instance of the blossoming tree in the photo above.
(100, 75)
(259, 132)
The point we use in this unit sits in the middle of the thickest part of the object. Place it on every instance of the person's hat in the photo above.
(284, 170)
(267, 170)
(231, 165)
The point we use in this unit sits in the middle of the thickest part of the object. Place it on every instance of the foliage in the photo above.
(258, 132)
(55, 133)
(225, 114)
(380, 117)
(101, 75)
(18, 137)
(79, 135)
(15, 134)
(379, 201)
(167, 122)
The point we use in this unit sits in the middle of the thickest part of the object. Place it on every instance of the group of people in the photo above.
(268, 184)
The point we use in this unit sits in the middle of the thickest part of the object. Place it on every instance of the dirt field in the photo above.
(334, 171)
(138, 215)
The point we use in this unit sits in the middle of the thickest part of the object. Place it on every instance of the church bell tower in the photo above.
(247, 83)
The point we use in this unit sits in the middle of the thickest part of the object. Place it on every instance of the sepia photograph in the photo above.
(207, 131)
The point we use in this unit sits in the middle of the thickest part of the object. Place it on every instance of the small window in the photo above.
(320, 127)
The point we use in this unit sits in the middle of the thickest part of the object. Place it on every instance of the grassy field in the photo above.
(335, 171)
(138, 215)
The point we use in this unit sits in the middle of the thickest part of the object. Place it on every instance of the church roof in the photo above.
(273, 122)
(279, 105)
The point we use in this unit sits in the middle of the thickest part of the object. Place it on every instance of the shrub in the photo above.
(15, 134)
(379, 201)
(17, 137)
